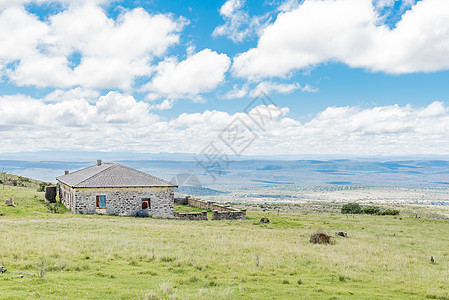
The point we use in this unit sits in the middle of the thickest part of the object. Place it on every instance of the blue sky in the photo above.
(364, 77)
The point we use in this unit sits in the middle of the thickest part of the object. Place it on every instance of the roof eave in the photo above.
(127, 186)
(57, 178)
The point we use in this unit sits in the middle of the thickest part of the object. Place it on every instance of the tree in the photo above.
(351, 208)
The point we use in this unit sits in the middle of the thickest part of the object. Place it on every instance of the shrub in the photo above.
(320, 238)
(390, 212)
(355, 208)
(42, 186)
(351, 208)
(56, 208)
(371, 210)
(168, 258)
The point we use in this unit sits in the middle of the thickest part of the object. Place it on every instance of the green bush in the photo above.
(42, 186)
(355, 208)
(56, 208)
(351, 208)
(371, 210)
(390, 212)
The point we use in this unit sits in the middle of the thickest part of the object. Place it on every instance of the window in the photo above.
(101, 201)
(146, 203)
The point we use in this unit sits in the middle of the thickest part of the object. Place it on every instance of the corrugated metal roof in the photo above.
(111, 175)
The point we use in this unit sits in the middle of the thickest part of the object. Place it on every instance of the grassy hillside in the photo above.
(92, 257)
(17, 180)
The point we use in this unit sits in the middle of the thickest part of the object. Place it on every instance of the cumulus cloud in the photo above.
(198, 73)
(267, 87)
(348, 31)
(164, 105)
(72, 94)
(236, 92)
(120, 122)
(11, 3)
(97, 52)
(238, 24)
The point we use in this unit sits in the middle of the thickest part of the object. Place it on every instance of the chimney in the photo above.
(66, 172)
(98, 162)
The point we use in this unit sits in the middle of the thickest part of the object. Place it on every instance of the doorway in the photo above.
(146, 203)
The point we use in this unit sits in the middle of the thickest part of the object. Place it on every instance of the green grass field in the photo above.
(93, 257)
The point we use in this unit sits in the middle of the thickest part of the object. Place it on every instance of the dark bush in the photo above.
(355, 208)
(42, 186)
(390, 212)
(351, 208)
(320, 238)
(56, 208)
(371, 210)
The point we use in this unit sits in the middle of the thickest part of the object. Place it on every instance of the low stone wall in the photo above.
(228, 215)
(207, 205)
(191, 216)
(220, 211)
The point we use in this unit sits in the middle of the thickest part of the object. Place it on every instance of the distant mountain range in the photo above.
(308, 172)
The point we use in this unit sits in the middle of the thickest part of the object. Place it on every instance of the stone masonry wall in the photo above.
(236, 214)
(208, 204)
(219, 211)
(191, 216)
(125, 201)
(66, 196)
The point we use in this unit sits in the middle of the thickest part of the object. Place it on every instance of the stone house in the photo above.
(112, 188)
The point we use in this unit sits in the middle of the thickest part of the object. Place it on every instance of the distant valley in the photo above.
(398, 173)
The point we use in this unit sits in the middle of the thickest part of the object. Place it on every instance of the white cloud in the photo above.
(111, 53)
(310, 89)
(289, 5)
(238, 24)
(347, 31)
(164, 105)
(117, 121)
(20, 34)
(236, 92)
(72, 94)
(16, 3)
(383, 3)
(112, 108)
(267, 87)
(199, 73)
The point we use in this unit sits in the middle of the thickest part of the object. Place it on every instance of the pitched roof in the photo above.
(111, 175)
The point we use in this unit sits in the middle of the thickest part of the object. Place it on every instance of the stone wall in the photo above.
(229, 215)
(191, 216)
(220, 211)
(207, 204)
(67, 196)
(120, 201)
